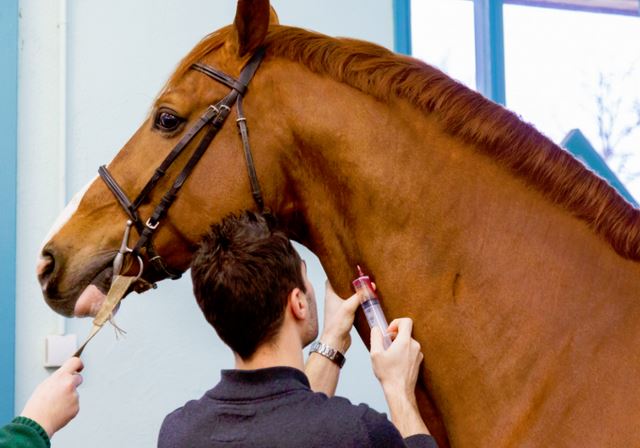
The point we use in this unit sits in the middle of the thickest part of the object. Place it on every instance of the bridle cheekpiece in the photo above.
(212, 119)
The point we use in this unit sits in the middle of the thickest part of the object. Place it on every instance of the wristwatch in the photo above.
(328, 352)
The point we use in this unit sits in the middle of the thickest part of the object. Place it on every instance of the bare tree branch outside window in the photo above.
(618, 120)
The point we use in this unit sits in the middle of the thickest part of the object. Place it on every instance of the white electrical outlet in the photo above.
(59, 348)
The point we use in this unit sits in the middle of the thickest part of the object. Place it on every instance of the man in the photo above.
(253, 289)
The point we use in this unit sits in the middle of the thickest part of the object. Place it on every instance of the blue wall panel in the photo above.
(489, 45)
(8, 143)
(402, 26)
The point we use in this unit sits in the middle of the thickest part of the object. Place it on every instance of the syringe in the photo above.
(371, 305)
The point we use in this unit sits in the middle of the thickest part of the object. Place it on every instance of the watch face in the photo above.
(327, 352)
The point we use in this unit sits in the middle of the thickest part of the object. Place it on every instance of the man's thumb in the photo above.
(376, 340)
(353, 302)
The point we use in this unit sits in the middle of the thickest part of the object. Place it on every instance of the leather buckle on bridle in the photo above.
(214, 116)
(152, 226)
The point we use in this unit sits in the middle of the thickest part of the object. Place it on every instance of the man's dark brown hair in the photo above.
(242, 275)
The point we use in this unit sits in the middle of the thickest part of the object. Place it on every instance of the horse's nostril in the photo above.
(45, 267)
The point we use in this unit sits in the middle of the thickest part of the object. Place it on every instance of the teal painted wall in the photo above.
(8, 130)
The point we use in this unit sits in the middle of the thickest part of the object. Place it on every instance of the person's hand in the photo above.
(338, 319)
(55, 401)
(397, 367)
(397, 370)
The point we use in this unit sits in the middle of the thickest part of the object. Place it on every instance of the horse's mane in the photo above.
(464, 113)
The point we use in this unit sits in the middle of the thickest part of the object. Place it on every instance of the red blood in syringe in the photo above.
(371, 305)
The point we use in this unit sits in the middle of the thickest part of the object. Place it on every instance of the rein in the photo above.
(213, 118)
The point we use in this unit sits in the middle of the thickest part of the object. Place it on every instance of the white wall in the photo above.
(84, 87)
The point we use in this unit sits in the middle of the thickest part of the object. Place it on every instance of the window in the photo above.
(569, 64)
(571, 69)
(443, 36)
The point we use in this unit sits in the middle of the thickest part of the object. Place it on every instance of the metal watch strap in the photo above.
(328, 352)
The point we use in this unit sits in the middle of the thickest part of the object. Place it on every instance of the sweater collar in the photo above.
(260, 383)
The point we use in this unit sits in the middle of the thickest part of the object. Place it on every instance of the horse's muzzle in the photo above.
(46, 269)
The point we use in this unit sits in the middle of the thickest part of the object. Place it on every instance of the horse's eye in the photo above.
(167, 121)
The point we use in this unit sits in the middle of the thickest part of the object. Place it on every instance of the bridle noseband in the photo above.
(213, 119)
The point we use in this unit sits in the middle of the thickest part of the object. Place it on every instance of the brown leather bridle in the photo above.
(213, 118)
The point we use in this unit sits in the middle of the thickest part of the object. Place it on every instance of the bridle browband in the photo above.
(213, 118)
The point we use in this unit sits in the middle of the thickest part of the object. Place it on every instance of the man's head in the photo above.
(245, 275)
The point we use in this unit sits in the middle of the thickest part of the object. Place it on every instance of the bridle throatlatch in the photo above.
(212, 121)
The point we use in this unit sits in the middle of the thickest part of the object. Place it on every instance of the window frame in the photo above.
(490, 70)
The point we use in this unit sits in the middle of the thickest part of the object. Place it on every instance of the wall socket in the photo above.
(59, 348)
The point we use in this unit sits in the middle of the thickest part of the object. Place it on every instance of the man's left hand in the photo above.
(339, 314)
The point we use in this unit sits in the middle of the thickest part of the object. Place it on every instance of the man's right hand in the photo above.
(55, 401)
(397, 370)
(397, 367)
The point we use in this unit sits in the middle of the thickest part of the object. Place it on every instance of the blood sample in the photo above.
(371, 305)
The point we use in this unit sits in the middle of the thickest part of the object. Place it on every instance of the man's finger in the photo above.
(73, 364)
(376, 340)
(393, 326)
(352, 303)
(328, 287)
(404, 327)
(77, 379)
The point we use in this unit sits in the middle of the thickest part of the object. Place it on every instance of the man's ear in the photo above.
(298, 304)
(251, 24)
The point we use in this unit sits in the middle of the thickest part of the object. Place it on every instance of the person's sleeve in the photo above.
(420, 441)
(171, 433)
(23, 432)
(380, 431)
(165, 434)
(383, 433)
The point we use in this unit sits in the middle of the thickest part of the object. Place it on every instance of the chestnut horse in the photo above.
(517, 264)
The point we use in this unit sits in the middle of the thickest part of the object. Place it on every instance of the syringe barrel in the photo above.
(364, 288)
(371, 306)
(375, 317)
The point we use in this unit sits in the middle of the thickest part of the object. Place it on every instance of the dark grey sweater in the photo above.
(276, 408)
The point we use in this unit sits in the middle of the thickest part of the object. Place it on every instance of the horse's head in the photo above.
(76, 262)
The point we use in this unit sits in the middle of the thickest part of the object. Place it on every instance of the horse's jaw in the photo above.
(89, 302)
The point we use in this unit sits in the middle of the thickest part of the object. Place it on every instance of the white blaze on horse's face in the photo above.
(66, 214)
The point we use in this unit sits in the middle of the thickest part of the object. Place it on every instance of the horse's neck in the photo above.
(527, 309)
(511, 294)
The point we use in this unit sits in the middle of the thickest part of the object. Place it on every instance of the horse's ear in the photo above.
(273, 17)
(251, 24)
